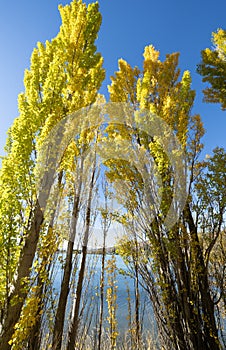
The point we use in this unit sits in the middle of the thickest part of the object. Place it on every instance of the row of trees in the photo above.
(148, 144)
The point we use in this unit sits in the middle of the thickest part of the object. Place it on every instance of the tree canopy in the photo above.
(213, 69)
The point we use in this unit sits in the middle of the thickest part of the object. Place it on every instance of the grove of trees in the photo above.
(67, 152)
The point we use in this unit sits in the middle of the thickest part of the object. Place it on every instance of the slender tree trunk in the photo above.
(61, 309)
(35, 336)
(112, 302)
(75, 317)
(64, 290)
(105, 225)
(209, 339)
(36, 332)
(101, 295)
(137, 297)
(20, 291)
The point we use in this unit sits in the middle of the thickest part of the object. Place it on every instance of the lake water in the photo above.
(123, 283)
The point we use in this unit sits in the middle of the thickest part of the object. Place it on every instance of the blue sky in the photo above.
(127, 27)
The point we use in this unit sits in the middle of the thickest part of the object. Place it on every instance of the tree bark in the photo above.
(20, 291)
(101, 296)
(209, 335)
(75, 317)
(64, 291)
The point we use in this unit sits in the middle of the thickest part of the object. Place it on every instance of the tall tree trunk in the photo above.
(35, 336)
(209, 335)
(20, 291)
(75, 316)
(101, 296)
(64, 290)
(137, 296)
(105, 226)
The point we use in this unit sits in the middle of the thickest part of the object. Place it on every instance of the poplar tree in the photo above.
(213, 69)
(171, 259)
(65, 75)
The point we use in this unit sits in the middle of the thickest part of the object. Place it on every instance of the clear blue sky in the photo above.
(128, 26)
